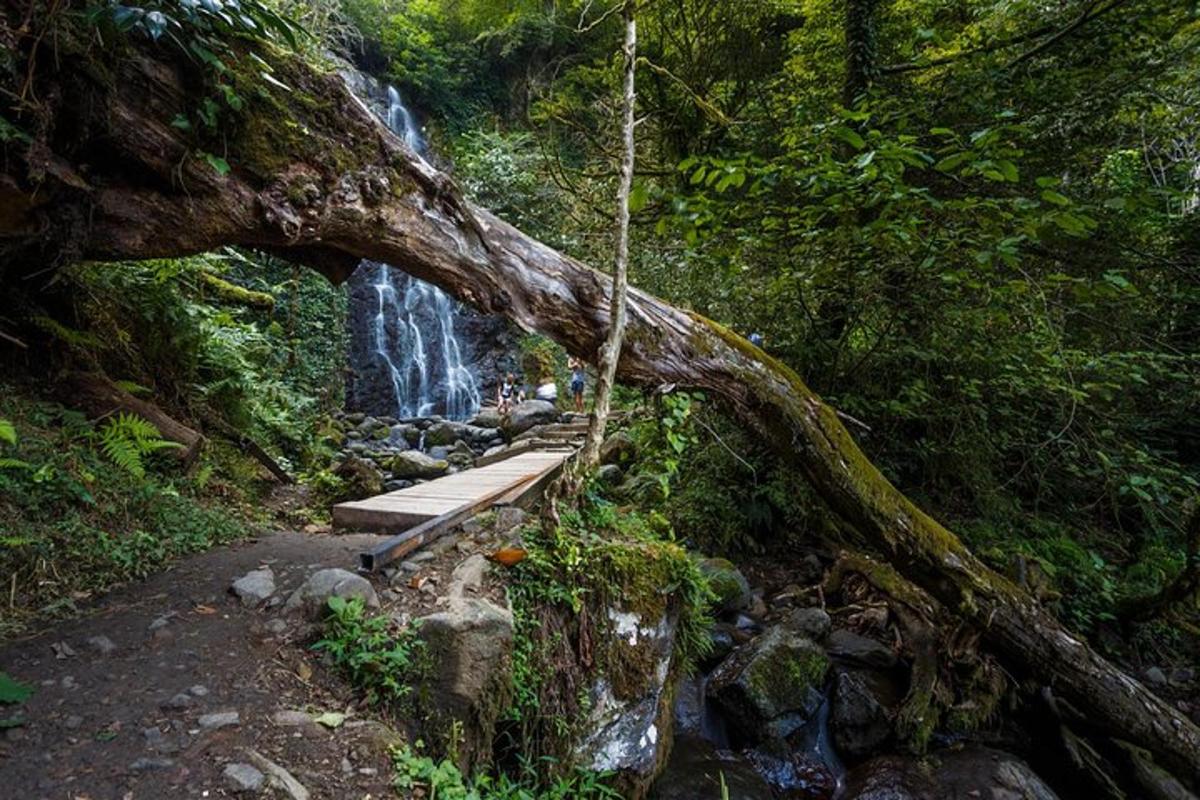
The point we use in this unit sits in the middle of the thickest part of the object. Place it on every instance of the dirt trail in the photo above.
(120, 711)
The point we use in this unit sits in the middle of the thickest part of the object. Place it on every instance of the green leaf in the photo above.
(330, 719)
(850, 137)
(217, 163)
(638, 197)
(1051, 196)
(8, 433)
(13, 691)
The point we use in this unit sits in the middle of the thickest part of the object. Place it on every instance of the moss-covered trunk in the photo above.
(316, 177)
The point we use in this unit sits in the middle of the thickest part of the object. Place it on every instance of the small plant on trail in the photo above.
(417, 772)
(377, 656)
(127, 439)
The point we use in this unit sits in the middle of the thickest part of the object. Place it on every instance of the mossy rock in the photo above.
(415, 464)
(359, 479)
(772, 686)
(727, 582)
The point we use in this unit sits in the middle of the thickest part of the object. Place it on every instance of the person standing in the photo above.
(506, 393)
(578, 379)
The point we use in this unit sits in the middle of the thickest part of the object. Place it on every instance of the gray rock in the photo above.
(276, 626)
(471, 642)
(859, 721)
(609, 475)
(976, 772)
(488, 417)
(312, 597)
(445, 433)
(243, 778)
(415, 464)
(509, 517)
(491, 451)
(771, 686)
(255, 587)
(849, 646)
(1156, 676)
(73, 722)
(528, 414)
(198, 691)
(160, 622)
(811, 622)
(151, 764)
(221, 719)
(291, 719)
(159, 742)
(468, 576)
(355, 417)
(178, 702)
(421, 557)
(102, 645)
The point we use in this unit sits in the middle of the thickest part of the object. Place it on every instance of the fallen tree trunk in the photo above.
(98, 397)
(315, 177)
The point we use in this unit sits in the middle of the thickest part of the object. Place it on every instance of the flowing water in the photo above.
(412, 334)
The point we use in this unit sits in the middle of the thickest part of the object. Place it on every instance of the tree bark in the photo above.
(108, 177)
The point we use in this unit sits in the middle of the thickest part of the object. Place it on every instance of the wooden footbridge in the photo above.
(421, 513)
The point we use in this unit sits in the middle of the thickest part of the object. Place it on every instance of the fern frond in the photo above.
(8, 432)
(14, 463)
(133, 387)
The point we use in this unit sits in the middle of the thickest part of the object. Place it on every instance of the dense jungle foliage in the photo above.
(970, 225)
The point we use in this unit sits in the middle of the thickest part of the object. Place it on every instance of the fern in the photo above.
(8, 433)
(127, 439)
(133, 388)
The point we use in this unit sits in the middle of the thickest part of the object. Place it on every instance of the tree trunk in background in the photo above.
(347, 189)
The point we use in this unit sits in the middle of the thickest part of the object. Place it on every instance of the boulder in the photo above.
(727, 583)
(696, 770)
(609, 474)
(445, 433)
(628, 724)
(359, 479)
(525, 415)
(848, 646)
(811, 622)
(415, 464)
(254, 587)
(975, 772)
(770, 687)
(312, 598)
(618, 449)
(470, 646)
(488, 417)
(859, 719)
(509, 517)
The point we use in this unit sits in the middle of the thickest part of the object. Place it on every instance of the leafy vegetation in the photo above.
(415, 771)
(374, 654)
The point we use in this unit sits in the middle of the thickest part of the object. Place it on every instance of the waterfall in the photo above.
(413, 344)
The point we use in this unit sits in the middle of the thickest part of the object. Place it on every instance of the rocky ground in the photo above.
(201, 681)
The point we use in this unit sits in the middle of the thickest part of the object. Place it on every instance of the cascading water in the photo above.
(412, 339)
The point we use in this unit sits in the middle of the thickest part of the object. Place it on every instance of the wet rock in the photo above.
(415, 464)
(471, 644)
(795, 774)
(975, 772)
(727, 583)
(243, 778)
(695, 770)
(528, 414)
(811, 622)
(723, 640)
(859, 720)
(849, 646)
(771, 686)
(312, 597)
(221, 719)
(255, 587)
